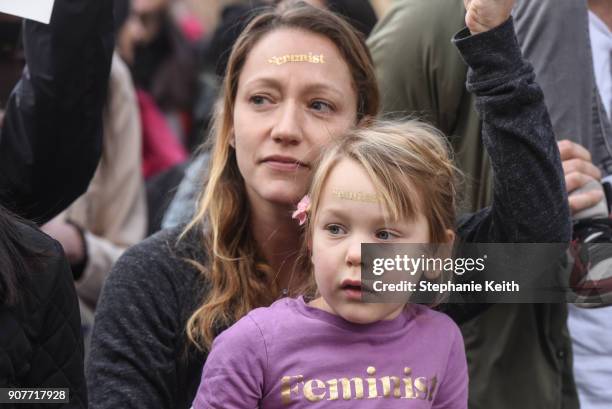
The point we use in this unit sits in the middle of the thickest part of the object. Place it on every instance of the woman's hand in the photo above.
(484, 15)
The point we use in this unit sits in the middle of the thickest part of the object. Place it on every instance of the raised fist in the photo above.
(484, 15)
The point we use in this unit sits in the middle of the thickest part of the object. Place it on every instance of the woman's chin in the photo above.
(283, 197)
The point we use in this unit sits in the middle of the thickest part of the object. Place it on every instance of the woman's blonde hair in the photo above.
(238, 278)
(411, 167)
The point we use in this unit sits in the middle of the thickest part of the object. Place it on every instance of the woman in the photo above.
(296, 78)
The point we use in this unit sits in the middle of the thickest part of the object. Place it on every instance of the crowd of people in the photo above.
(184, 192)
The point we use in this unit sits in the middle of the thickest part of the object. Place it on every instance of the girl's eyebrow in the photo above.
(333, 212)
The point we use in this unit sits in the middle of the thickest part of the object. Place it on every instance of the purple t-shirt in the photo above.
(291, 355)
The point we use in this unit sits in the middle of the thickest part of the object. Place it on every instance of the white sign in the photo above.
(39, 10)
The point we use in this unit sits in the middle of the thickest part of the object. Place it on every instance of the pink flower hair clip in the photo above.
(301, 213)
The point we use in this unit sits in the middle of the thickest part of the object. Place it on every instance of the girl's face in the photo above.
(349, 214)
(286, 111)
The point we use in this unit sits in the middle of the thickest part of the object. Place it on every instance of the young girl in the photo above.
(389, 183)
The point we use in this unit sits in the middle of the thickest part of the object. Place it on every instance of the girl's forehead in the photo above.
(348, 182)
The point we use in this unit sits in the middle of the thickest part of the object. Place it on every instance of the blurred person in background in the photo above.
(164, 70)
(112, 215)
(591, 328)
(50, 141)
(51, 128)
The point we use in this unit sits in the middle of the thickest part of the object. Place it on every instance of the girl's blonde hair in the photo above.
(411, 167)
(238, 278)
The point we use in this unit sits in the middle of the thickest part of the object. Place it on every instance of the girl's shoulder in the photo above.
(280, 316)
(428, 319)
(277, 313)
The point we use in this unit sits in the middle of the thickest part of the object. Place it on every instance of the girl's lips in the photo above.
(351, 289)
(352, 293)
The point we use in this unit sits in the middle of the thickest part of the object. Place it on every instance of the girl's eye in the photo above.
(335, 229)
(321, 106)
(384, 235)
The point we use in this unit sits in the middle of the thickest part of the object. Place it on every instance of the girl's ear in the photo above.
(432, 275)
(450, 236)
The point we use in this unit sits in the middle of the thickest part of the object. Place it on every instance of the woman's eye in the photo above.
(384, 235)
(335, 229)
(321, 106)
(258, 100)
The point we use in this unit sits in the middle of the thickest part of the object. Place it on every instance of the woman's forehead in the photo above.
(292, 53)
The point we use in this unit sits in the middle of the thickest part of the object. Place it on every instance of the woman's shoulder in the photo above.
(159, 268)
(167, 253)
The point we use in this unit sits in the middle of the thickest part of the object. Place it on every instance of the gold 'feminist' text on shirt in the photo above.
(387, 387)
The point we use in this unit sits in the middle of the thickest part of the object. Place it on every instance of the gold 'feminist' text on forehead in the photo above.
(310, 57)
(356, 196)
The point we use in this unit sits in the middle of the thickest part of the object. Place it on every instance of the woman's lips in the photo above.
(283, 166)
(284, 163)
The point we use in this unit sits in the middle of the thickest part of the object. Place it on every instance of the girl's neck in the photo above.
(277, 238)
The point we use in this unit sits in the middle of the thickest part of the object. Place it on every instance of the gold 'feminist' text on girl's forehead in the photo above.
(356, 196)
(310, 58)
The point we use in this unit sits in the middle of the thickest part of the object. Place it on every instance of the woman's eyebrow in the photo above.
(324, 87)
(264, 81)
(313, 87)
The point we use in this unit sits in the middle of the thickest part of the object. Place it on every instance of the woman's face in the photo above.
(286, 111)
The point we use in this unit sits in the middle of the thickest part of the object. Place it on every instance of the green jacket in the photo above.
(519, 355)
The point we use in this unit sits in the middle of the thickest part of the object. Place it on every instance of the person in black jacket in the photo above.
(51, 134)
(50, 145)
(40, 338)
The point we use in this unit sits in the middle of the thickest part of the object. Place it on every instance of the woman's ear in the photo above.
(365, 121)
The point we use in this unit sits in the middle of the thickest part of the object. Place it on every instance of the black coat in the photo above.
(40, 337)
(51, 137)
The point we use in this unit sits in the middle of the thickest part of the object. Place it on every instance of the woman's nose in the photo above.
(288, 128)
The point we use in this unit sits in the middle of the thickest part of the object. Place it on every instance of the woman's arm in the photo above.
(138, 357)
(530, 201)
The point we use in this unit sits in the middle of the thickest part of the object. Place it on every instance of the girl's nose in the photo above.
(353, 253)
